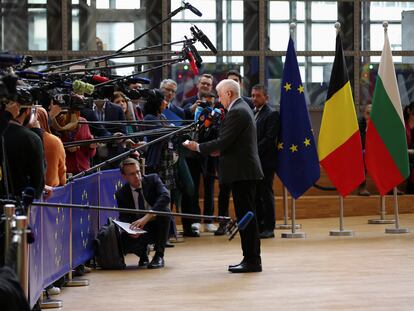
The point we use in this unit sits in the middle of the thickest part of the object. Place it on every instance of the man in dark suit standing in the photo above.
(239, 166)
(267, 124)
(143, 193)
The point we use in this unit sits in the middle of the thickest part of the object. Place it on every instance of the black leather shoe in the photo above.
(221, 230)
(245, 267)
(143, 262)
(267, 234)
(156, 263)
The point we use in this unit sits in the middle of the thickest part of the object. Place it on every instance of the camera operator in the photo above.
(24, 151)
(200, 165)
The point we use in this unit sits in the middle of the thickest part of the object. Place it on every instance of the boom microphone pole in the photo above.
(132, 150)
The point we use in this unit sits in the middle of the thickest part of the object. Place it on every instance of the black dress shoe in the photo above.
(245, 267)
(267, 234)
(156, 263)
(221, 230)
(143, 262)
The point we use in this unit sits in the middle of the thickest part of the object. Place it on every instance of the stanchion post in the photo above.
(20, 237)
(341, 231)
(71, 282)
(9, 223)
(382, 220)
(397, 229)
(293, 234)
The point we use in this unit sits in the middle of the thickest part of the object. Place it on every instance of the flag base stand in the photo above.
(397, 229)
(341, 233)
(293, 226)
(285, 225)
(382, 220)
(293, 235)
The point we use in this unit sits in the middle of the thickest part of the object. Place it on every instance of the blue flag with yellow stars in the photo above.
(297, 161)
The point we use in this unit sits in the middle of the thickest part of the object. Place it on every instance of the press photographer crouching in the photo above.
(143, 193)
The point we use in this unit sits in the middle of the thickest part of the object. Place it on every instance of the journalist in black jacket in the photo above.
(143, 192)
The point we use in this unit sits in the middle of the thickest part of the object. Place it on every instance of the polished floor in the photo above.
(370, 271)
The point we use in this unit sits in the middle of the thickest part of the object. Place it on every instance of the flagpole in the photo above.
(382, 220)
(293, 234)
(341, 231)
(397, 229)
(285, 224)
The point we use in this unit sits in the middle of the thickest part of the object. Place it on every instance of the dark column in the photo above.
(15, 23)
(346, 18)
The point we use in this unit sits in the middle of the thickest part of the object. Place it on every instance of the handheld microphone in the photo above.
(243, 223)
(192, 9)
(200, 36)
(197, 114)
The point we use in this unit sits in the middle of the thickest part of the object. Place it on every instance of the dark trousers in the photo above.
(265, 202)
(190, 204)
(157, 233)
(224, 199)
(244, 201)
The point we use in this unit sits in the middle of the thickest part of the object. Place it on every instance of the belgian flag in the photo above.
(339, 145)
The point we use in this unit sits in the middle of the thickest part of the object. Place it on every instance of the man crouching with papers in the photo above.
(144, 193)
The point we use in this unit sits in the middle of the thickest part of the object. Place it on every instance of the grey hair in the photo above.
(229, 85)
(167, 81)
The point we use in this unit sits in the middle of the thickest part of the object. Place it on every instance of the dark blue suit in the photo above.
(267, 124)
(158, 197)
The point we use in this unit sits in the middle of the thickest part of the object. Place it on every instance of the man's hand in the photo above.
(47, 192)
(55, 110)
(195, 105)
(139, 224)
(73, 149)
(192, 145)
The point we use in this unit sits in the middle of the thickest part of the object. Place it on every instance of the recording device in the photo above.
(192, 9)
(190, 57)
(241, 225)
(200, 36)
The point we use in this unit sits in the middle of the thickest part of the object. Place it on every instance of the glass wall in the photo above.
(251, 36)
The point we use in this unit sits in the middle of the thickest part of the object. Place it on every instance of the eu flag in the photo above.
(297, 162)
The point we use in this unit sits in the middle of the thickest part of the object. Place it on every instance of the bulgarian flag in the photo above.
(386, 154)
(339, 145)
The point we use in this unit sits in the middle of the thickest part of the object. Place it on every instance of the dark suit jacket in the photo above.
(237, 143)
(97, 130)
(114, 113)
(267, 125)
(154, 151)
(249, 101)
(155, 193)
(177, 110)
(187, 105)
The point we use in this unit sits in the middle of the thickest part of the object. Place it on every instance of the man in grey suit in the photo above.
(239, 166)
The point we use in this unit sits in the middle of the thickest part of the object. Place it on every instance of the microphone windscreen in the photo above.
(99, 79)
(28, 196)
(242, 224)
(197, 113)
(7, 59)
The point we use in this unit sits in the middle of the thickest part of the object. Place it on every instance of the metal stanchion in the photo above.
(9, 223)
(293, 234)
(397, 228)
(341, 231)
(22, 266)
(71, 282)
(285, 224)
(382, 220)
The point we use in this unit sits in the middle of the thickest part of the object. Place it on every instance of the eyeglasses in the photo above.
(205, 83)
(169, 90)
